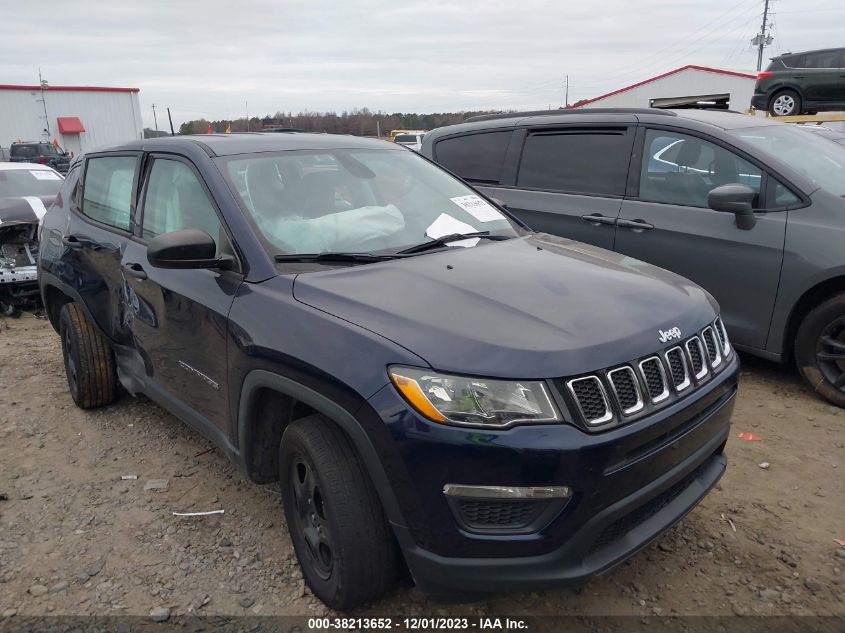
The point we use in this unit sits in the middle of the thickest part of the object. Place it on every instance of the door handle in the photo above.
(71, 241)
(798, 76)
(640, 225)
(134, 270)
(598, 218)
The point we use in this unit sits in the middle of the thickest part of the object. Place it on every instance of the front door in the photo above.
(179, 318)
(670, 225)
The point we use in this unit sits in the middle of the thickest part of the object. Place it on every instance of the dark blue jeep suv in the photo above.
(433, 385)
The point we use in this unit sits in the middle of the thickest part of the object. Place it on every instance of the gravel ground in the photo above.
(76, 539)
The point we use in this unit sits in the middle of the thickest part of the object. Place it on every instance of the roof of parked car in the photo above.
(250, 142)
(723, 119)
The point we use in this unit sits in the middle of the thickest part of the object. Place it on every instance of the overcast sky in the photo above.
(207, 59)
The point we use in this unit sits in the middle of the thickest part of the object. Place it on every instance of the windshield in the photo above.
(15, 183)
(815, 157)
(355, 201)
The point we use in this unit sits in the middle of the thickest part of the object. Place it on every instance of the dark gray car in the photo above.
(751, 209)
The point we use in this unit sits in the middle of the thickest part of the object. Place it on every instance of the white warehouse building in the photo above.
(681, 87)
(80, 118)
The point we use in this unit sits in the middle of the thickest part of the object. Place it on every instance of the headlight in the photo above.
(474, 401)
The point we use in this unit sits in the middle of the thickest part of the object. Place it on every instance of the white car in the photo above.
(26, 190)
(411, 141)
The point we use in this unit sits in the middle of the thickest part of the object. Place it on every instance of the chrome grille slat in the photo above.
(696, 355)
(714, 351)
(654, 376)
(591, 399)
(626, 390)
(722, 333)
(678, 369)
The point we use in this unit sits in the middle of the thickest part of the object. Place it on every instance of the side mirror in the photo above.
(737, 199)
(188, 248)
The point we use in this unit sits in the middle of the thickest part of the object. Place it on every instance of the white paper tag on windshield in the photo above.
(478, 208)
(43, 174)
(445, 224)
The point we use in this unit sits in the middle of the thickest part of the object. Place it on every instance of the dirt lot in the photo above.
(76, 539)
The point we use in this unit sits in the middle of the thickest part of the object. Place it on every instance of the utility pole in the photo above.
(762, 40)
(246, 107)
(172, 133)
(566, 99)
(44, 86)
(154, 117)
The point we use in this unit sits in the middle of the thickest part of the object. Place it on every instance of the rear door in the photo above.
(99, 227)
(179, 318)
(570, 180)
(821, 74)
(666, 222)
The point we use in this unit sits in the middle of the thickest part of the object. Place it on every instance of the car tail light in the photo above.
(764, 75)
(41, 159)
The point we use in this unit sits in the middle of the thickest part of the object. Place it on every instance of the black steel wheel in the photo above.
(820, 349)
(339, 532)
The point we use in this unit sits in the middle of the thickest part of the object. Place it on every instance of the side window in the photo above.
(579, 161)
(175, 200)
(475, 157)
(827, 59)
(680, 169)
(782, 196)
(107, 193)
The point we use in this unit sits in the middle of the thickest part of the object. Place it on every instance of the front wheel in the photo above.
(785, 103)
(820, 349)
(340, 534)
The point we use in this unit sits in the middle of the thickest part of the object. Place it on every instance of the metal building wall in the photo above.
(109, 116)
(689, 82)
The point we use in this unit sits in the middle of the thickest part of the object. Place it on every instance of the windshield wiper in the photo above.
(365, 258)
(452, 237)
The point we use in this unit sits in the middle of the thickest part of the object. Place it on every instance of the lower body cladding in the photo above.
(568, 505)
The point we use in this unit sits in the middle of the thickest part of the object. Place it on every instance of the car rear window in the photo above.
(405, 138)
(475, 157)
(578, 161)
(24, 151)
(16, 183)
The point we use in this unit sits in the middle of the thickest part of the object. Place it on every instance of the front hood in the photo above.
(533, 307)
(29, 209)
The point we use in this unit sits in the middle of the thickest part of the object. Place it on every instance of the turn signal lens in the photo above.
(410, 388)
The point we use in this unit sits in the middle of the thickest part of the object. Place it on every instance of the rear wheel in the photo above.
(785, 103)
(339, 532)
(89, 363)
(820, 349)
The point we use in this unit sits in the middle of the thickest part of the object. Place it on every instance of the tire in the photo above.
(89, 362)
(341, 537)
(785, 103)
(820, 349)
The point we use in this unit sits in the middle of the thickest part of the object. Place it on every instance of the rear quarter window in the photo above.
(476, 157)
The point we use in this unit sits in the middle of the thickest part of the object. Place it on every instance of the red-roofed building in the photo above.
(682, 87)
(80, 118)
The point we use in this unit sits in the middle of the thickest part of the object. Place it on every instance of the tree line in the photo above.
(360, 122)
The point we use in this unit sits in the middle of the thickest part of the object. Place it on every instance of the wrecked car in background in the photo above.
(26, 190)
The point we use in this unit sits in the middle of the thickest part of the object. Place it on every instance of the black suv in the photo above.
(39, 152)
(795, 83)
(748, 207)
(432, 384)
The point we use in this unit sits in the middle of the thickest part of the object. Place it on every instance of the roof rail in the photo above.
(508, 115)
